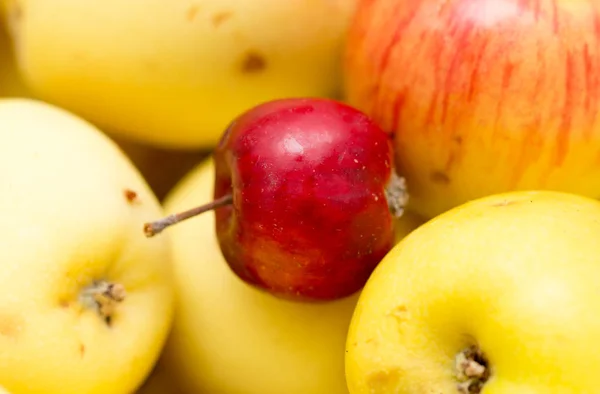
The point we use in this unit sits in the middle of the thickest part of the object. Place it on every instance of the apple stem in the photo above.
(156, 227)
(472, 370)
(396, 194)
(104, 296)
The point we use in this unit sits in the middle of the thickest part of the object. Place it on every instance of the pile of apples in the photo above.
(299, 197)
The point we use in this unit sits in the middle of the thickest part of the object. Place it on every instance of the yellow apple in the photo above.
(174, 73)
(503, 288)
(229, 337)
(87, 300)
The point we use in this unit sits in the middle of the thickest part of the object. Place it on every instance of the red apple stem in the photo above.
(156, 227)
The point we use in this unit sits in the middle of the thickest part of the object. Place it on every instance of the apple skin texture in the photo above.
(484, 96)
(515, 273)
(309, 219)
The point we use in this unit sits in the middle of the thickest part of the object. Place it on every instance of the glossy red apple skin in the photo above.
(309, 219)
(484, 96)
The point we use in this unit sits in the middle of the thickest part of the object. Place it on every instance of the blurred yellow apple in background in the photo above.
(87, 300)
(503, 288)
(174, 73)
(231, 338)
(11, 82)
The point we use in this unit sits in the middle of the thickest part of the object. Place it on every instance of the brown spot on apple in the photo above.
(130, 195)
(219, 18)
(440, 177)
(81, 349)
(253, 62)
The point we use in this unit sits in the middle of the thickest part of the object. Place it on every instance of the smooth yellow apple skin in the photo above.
(65, 222)
(174, 73)
(231, 338)
(515, 273)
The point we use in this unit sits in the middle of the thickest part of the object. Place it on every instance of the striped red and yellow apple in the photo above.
(482, 96)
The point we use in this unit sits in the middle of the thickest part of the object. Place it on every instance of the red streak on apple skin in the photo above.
(309, 219)
(475, 72)
(517, 80)
(567, 113)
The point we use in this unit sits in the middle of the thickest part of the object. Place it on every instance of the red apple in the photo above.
(483, 96)
(305, 197)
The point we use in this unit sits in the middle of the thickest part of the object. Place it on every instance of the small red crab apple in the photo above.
(305, 197)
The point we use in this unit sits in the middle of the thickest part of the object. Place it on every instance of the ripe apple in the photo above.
(230, 337)
(484, 96)
(86, 302)
(305, 196)
(495, 295)
(173, 73)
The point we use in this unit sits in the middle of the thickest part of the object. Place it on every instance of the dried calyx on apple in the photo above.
(305, 198)
(103, 296)
(472, 370)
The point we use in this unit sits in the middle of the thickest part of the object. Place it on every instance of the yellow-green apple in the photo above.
(86, 301)
(230, 337)
(173, 73)
(484, 96)
(495, 296)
